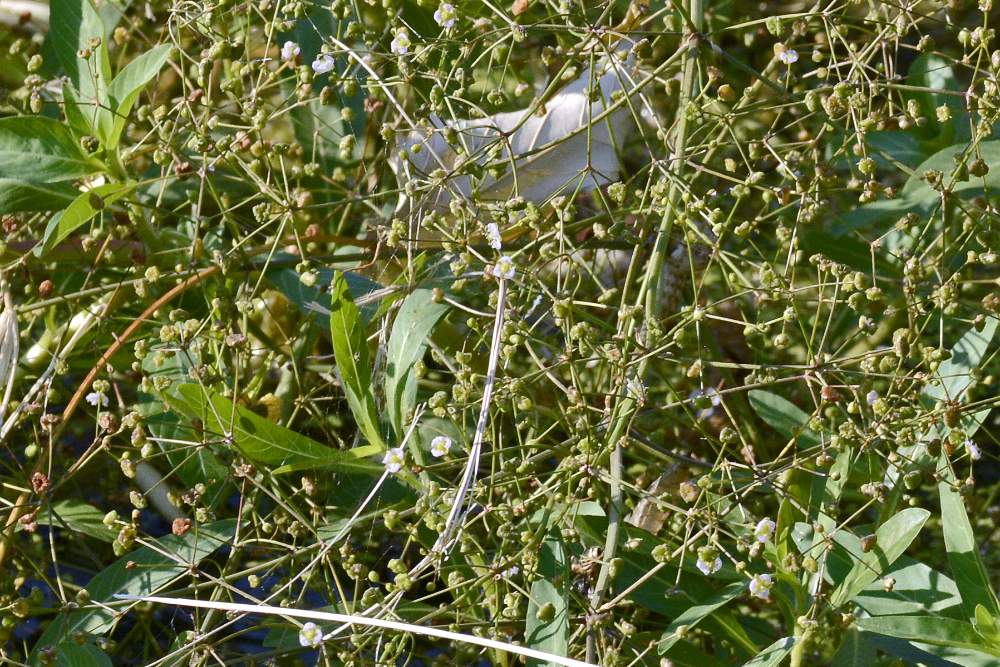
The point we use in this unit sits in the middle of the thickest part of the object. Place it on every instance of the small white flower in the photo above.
(709, 561)
(764, 530)
(323, 63)
(789, 56)
(393, 460)
(445, 15)
(504, 268)
(872, 397)
(310, 635)
(289, 50)
(95, 397)
(975, 453)
(760, 586)
(493, 235)
(440, 446)
(713, 395)
(401, 42)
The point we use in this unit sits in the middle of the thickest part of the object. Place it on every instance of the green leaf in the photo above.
(934, 72)
(960, 544)
(783, 416)
(894, 146)
(986, 625)
(72, 24)
(892, 539)
(78, 517)
(36, 149)
(697, 612)
(78, 114)
(774, 654)
(125, 89)
(144, 571)
(71, 654)
(916, 189)
(413, 324)
(17, 196)
(350, 349)
(935, 630)
(80, 212)
(966, 355)
(261, 440)
(854, 651)
(550, 592)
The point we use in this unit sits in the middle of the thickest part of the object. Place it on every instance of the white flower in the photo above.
(504, 268)
(310, 635)
(401, 42)
(709, 561)
(764, 530)
(789, 56)
(393, 460)
(445, 15)
(440, 446)
(975, 453)
(289, 50)
(713, 394)
(95, 397)
(872, 397)
(493, 235)
(760, 586)
(323, 63)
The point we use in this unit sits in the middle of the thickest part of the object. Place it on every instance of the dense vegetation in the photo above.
(605, 333)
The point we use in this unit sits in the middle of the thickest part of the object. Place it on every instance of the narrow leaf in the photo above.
(415, 320)
(259, 439)
(892, 539)
(17, 196)
(78, 517)
(143, 571)
(125, 89)
(80, 212)
(350, 349)
(550, 599)
(937, 630)
(696, 613)
(782, 415)
(774, 654)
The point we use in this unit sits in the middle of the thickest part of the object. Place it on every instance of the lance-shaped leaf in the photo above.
(143, 571)
(350, 350)
(261, 440)
(891, 539)
(125, 89)
(936, 630)
(80, 212)
(547, 623)
(416, 318)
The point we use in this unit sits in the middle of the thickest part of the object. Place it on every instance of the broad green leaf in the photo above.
(80, 212)
(774, 654)
(917, 189)
(37, 149)
(936, 74)
(892, 539)
(413, 324)
(72, 24)
(986, 625)
(144, 571)
(79, 115)
(935, 630)
(854, 651)
(697, 612)
(17, 196)
(966, 355)
(78, 517)
(350, 349)
(259, 439)
(551, 592)
(894, 146)
(960, 543)
(71, 654)
(126, 86)
(783, 416)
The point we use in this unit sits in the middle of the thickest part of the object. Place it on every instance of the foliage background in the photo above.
(720, 393)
